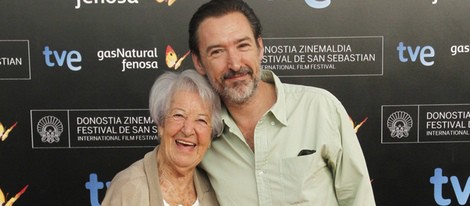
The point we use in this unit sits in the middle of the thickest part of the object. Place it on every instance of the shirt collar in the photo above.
(279, 109)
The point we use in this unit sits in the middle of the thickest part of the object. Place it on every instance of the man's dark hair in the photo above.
(217, 8)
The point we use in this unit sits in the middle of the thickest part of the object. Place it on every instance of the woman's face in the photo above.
(186, 133)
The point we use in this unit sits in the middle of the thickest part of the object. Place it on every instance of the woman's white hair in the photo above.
(169, 83)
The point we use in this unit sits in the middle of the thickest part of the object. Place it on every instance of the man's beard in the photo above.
(241, 91)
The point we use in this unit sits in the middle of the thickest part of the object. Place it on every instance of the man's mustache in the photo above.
(242, 71)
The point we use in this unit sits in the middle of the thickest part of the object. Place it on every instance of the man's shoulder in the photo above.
(295, 90)
(291, 90)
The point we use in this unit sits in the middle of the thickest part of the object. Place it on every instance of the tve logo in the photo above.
(55, 58)
(318, 4)
(438, 180)
(425, 54)
(94, 186)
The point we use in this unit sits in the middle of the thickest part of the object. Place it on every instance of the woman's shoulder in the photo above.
(127, 185)
(133, 173)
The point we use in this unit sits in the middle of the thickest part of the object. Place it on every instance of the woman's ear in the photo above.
(159, 131)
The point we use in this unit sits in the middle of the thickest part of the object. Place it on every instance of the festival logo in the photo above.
(15, 60)
(441, 123)
(324, 56)
(172, 60)
(78, 128)
(50, 128)
(399, 123)
(445, 123)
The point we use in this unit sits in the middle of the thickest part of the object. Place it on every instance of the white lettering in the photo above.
(126, 65)
(7, 61)
(78, 6)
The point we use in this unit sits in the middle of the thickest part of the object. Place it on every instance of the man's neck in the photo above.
(246, 115)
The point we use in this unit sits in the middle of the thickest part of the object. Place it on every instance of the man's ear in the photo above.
(261, 48)
(197, 64)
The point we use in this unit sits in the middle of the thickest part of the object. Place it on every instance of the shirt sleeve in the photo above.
(352, 182)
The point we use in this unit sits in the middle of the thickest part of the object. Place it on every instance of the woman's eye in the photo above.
(178, 117)
(202, 121)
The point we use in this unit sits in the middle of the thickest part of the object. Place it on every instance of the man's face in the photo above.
(230, 56)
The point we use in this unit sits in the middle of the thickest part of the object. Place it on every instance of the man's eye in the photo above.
(244, 46)
(216, 52)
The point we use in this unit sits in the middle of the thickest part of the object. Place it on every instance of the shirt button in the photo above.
(272, 123)
(260, 172)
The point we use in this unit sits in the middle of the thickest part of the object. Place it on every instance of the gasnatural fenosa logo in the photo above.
(4, 198)
(359, 125)
(5, 131)
(172, 60)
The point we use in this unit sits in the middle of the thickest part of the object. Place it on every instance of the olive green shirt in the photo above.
(302, 118)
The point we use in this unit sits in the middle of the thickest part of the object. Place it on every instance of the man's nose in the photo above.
(234, 60)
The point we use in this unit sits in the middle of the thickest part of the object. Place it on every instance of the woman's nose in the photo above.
(188, 128)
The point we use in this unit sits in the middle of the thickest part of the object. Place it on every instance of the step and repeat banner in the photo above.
(75, 77)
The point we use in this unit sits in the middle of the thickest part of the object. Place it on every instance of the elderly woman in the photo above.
(186, 111)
